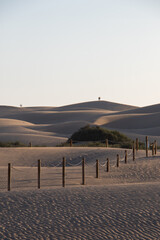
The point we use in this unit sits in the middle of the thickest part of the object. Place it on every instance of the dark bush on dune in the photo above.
(12, 144)
(96, 133)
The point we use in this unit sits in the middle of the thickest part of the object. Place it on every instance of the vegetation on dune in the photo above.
(96, 133)
(97, 137)
(12, 144)
(17, 144)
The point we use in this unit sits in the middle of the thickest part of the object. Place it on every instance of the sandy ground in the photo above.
(121, 204)
(106, 212)
(51, 156)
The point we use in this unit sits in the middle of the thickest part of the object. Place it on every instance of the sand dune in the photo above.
(12, 130)
(56, 117)
(4, 108)
(13, 122)
(148, 109)
(105, 105)
(22, 130)
(6, 111)
(62, 122)
(152, 132)
(134, 125)
(64, 129)
(155, 131)
(130, 121)
(35, 139)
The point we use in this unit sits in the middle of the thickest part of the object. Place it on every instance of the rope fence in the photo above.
(59, 173)
(111, 143)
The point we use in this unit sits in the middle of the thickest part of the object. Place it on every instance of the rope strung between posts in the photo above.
(58, 165)
(90, 165)
(76, 164)
(102, 165)
(130, 153)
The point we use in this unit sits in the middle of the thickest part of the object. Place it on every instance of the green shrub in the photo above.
(12, 144)
(98, 135)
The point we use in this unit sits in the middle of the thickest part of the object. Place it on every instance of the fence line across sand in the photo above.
(35, 173)
(96, 167)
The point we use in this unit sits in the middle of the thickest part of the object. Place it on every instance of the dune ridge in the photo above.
(62, 122)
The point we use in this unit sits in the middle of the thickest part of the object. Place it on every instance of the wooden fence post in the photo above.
(117, 160)
(9, 176)
(137, 144)
(83, 171)
(155, 147)
(63, 172)
(70, 142)
(133, 150)
(39, 173)
(107, 165)
(97, 168)
(146, 146)
(106, 143)
(126, 156)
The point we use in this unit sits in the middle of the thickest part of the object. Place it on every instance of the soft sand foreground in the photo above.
(121, 204)
(112, 212)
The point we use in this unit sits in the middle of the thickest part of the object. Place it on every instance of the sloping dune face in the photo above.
(104, 105)
(148, 109)
(16, 130)
(139, 121)
(52, 125)
(12, 122)
(130, 121)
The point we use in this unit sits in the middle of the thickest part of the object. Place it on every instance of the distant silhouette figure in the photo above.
(99, 98)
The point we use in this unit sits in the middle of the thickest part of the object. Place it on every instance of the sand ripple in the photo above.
(110, 212)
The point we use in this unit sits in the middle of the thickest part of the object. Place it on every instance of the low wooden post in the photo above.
(117, 160)
(83, 171)
(106, 143)
(70, 142)
(155, 147)
(126, 156)
(97, 168)
(39, 173)
(9, 176)
(146, 146)
(107, 165)
(63, 172)
(133, 150)
(137, 144)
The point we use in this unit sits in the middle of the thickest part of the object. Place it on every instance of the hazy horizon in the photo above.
(74, 103)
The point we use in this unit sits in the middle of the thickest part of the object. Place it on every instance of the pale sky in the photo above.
(59, 52)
